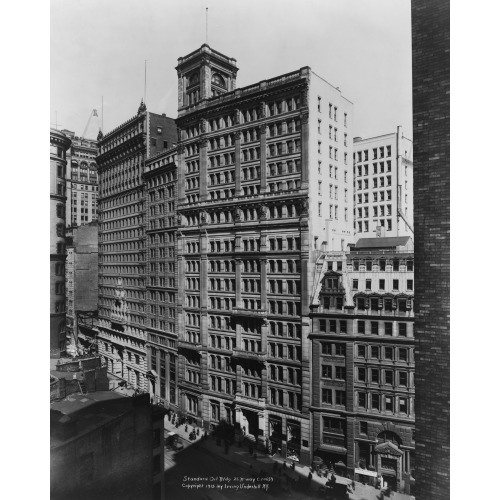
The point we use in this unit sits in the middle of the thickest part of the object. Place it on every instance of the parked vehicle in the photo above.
(172, 440)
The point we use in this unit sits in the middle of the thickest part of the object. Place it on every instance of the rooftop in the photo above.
(382, 243)
(78, 414)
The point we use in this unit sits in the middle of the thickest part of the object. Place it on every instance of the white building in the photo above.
(383, 185)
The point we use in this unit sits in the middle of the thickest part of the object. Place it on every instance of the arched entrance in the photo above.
(389, 458)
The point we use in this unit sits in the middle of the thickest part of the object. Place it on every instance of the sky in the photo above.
(98, 50)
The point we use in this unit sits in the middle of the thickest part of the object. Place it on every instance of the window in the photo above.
(389, 403)
(403, 354)
(376, 401)
(340, 398)
(374, 351)
(374, 327)
(343, 327)
(388, 377)
(340, 350)
(402, 329)
(355, 284)
(388, 328)
(374, 375)
(326, 371)
(388, 353)
(363, 427)
(403, 379)
(361, 351)
(361, 374)
(340, 372)
(381, 284)
(322, 326)
(403, 405)
(361, 327)
(362, 399)
(395, 284)
(409, 284)
(409, 265)
(326, 396)
(326, 348)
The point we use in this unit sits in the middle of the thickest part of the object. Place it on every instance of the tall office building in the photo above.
(81, 180)
(431, 134)
(59, 144)
(383, 185)
(362, 410)
(122, 263)
(257, 171)
(160, 184)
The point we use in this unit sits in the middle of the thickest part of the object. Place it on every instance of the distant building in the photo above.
(362, 402)
(59, 144)
(81, 180)
(105, 445)
(383, 185)
(122, 326)
(257, 171)
(81, 279)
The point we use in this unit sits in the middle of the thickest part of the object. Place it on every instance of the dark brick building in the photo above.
(106, 445)
(431, 155)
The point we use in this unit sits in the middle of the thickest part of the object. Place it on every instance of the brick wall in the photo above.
(430, 35)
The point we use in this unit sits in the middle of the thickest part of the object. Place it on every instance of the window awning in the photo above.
(333, 449)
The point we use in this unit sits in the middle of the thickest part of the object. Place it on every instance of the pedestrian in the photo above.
(353, 485)
(310, 476)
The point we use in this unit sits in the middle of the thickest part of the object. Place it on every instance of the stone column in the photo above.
(263, 155)
(237, 162)
(304, 148)
(181, 152)
(203, 170)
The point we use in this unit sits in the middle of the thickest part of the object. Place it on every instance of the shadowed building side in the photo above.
(431, 134)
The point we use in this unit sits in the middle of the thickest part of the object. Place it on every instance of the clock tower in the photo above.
(203, 74)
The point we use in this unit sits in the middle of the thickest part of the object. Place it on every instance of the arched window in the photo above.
(217, 79)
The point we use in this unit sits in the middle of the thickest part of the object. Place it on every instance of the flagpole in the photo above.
(145, 72)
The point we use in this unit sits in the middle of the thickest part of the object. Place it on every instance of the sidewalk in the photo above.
(265, 463)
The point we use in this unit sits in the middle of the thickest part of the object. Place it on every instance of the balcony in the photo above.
(253, 313)
(253, 356)
(189, 345)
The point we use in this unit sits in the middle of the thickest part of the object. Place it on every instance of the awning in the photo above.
(333, 449)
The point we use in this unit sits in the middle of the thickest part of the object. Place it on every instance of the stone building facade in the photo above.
(431, 134)
(362, 402)
(122, 328)
(59, 144)
(160, 184)
(257, 167)
(81, 181)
